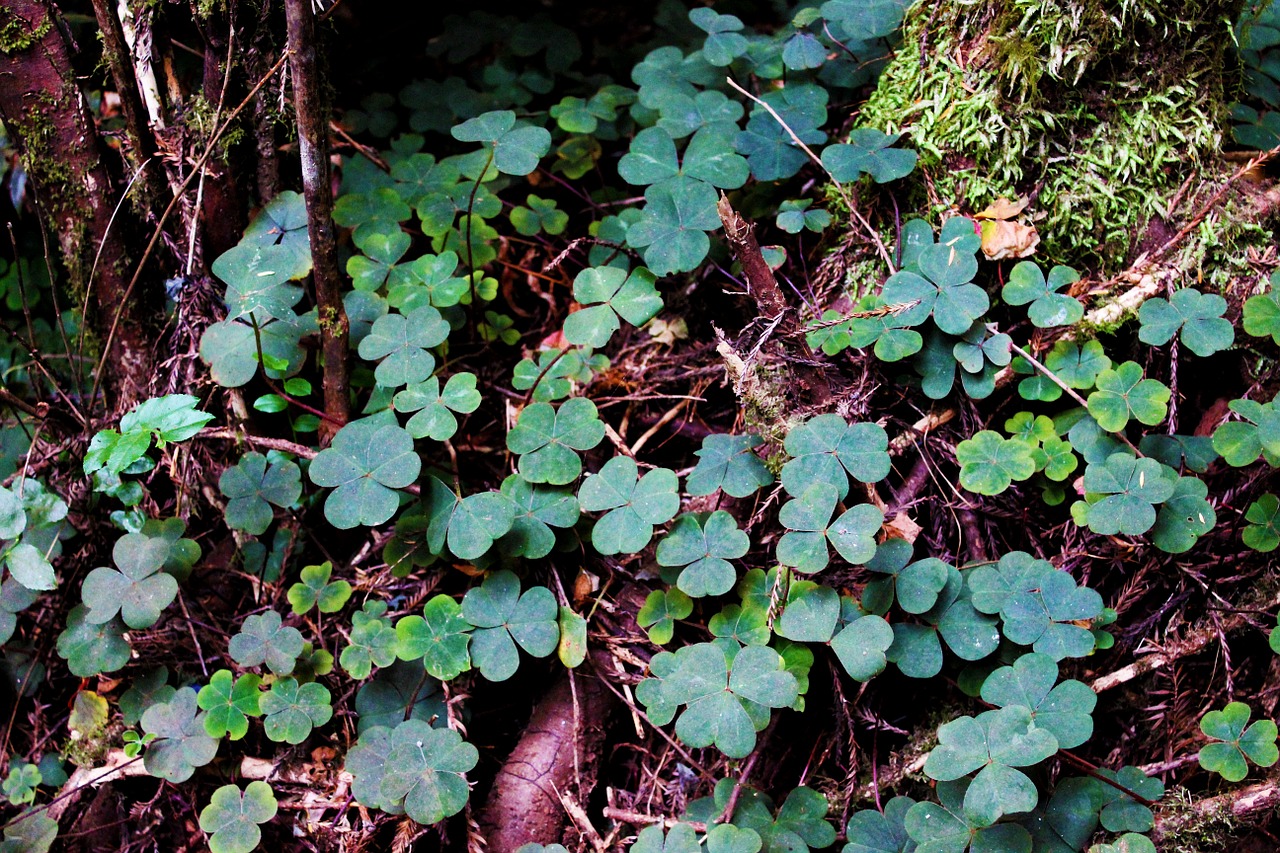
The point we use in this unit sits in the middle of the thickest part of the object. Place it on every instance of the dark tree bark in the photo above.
(46, 114)
(313, 147)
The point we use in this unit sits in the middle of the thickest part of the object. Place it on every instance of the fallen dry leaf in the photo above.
(1002, 208)
(1002, 239)
(902, 526)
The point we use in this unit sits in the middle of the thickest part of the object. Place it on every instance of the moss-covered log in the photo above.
(45, 111)
(1097, 110)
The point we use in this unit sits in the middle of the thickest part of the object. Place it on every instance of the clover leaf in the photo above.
(1195, 316)
(556, 371)
(546, 438)
(1130, 488)
(870, 831)
(673, 224)
(607, 294)
(373, 641)
(428, 280)
(1048, 307)
(365, 464)
(704, 550)
(794, 216)
(821, 447)
(262, 638)
(504, 617)
(1193, 452)
(469, 525)
(136, 590)
(251, 487)
(770, 149)
(989, 463)
(256, 277)
(1184, 517)
(724, 42)
(1261, 313)
(708, 158)
(868, 152)
(33, 831)
(808, 520)
(915, 585)
(811, 614)
(91, 648)
(635, 504)
(378, 209)
(439, 637)
(292, 711)
(538, 508)
(1038, 603)
(1262, 533)
(728, 462)
(1064, 709)
(382, 250)
(1123, 394)
(29, 567)
(660, 612)
(182, 742)
(516, 147)
(231, 349)
(747, 624)
(950, 828)
(541, 215)
(798, 825)
(712, 686)
(993, 743)
(20, 785)
(400, 344)
(679, 839)
(865, 20)
(1044, 612)
(943, 289)
(862, 647)
(232, 817)
(314, 589)
(230, 702)
(434, 408)
(425, 771)
(1236, 743)
(1241, 442)
(397, 693)
(1077, 364)
(970, 633)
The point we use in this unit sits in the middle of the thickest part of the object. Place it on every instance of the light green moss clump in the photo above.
(1099, 109)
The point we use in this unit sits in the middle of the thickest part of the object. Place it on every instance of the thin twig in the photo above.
(853, 210)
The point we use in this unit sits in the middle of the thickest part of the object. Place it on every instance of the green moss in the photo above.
(1099, 109)
(17, 35)
(1197, 832)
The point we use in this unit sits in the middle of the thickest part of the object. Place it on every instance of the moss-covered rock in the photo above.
(1098, 110)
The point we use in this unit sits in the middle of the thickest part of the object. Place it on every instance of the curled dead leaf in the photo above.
(902, 526)
(1001, 239)
(1002, 208)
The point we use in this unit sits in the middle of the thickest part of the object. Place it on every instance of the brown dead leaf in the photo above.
(902, 526)
(1002, 208)
(1001, 239)
(584, 586)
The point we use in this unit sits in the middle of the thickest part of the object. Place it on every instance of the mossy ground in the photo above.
(1098, 110)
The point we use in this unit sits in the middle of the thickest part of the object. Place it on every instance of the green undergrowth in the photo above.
(393, 586)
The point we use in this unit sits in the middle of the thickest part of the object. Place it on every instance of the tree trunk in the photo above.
(313, 148)
(46, 114)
